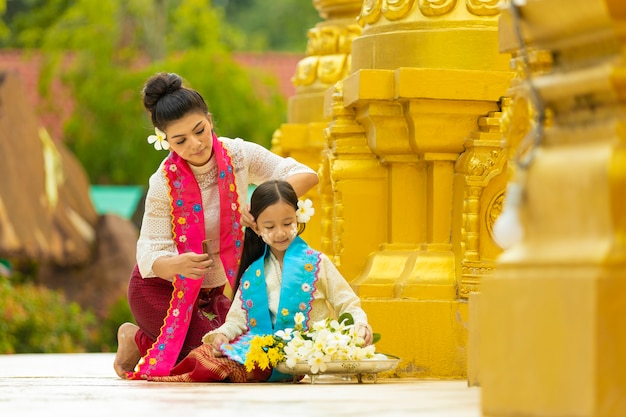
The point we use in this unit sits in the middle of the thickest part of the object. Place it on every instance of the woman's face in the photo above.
(191, 138)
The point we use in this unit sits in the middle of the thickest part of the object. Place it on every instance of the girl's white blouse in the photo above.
(332, 297)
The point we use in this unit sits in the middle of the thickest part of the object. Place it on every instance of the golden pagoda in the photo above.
(397, 106)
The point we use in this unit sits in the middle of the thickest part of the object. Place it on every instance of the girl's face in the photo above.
(277, 226)
(191, 138)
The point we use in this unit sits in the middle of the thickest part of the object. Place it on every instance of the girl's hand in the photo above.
(217, 341)
(190, 265)
(366, 333)
(246, 218)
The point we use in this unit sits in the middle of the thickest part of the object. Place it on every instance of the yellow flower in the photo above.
(265, 352)
(182, 220)
(284, 312)
(275, 356)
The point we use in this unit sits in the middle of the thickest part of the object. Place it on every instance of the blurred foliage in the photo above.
(107, 329)
(114, 47)
(27, 20)
(35, 319)
(4, 29)
(276, 25)
(245, 25)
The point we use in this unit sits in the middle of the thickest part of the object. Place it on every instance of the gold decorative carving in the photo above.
(397, 9)
(344, 43)
(332, 201)
(480, 164)
(328, 55)
(471, 272)
(332, 68)
(328, 39)
(483, 161)
(483, 7)
(370, 12)
(306, 71)
(494, 209)
(436, 7)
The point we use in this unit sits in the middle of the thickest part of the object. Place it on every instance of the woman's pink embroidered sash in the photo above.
(188, 232)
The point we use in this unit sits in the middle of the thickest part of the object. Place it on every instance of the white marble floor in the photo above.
(85, 385)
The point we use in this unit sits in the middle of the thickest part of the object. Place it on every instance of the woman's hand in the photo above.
(191, 265)
(218, 340)
(246, 218)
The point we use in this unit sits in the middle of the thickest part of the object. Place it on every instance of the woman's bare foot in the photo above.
(127, 354)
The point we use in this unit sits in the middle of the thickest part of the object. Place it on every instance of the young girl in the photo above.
(279, 276)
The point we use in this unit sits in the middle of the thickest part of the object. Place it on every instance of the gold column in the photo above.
(327, 61)
(426, 76)
(552, 325)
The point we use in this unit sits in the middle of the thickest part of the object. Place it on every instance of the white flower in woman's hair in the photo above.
(159, 140)
(305, 211)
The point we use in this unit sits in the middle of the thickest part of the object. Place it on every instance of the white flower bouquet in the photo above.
(326, 341)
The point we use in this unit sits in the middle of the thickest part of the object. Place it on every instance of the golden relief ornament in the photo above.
(306, 71)
(436, 7)
(370, 12)
(332, 68)
(397, 9)
(328, 55)
(482, 163)
(472, 272)
(344, 44)
(494, 210)
(483, 7)
(328, 40)
(313, 42)
(373, 10)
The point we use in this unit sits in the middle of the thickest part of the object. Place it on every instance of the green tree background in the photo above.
(104, 51)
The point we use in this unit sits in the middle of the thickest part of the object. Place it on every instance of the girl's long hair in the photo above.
(265, 195)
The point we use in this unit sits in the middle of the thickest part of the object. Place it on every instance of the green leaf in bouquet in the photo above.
(347, 317)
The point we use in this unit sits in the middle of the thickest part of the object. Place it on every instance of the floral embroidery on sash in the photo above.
(231, 231)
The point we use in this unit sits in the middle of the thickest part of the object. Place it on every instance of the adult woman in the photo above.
(199, 193)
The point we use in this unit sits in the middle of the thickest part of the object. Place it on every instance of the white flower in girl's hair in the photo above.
(159, 140)
(305, 211)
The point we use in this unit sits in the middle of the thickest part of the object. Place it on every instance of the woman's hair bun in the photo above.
(160, 85)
